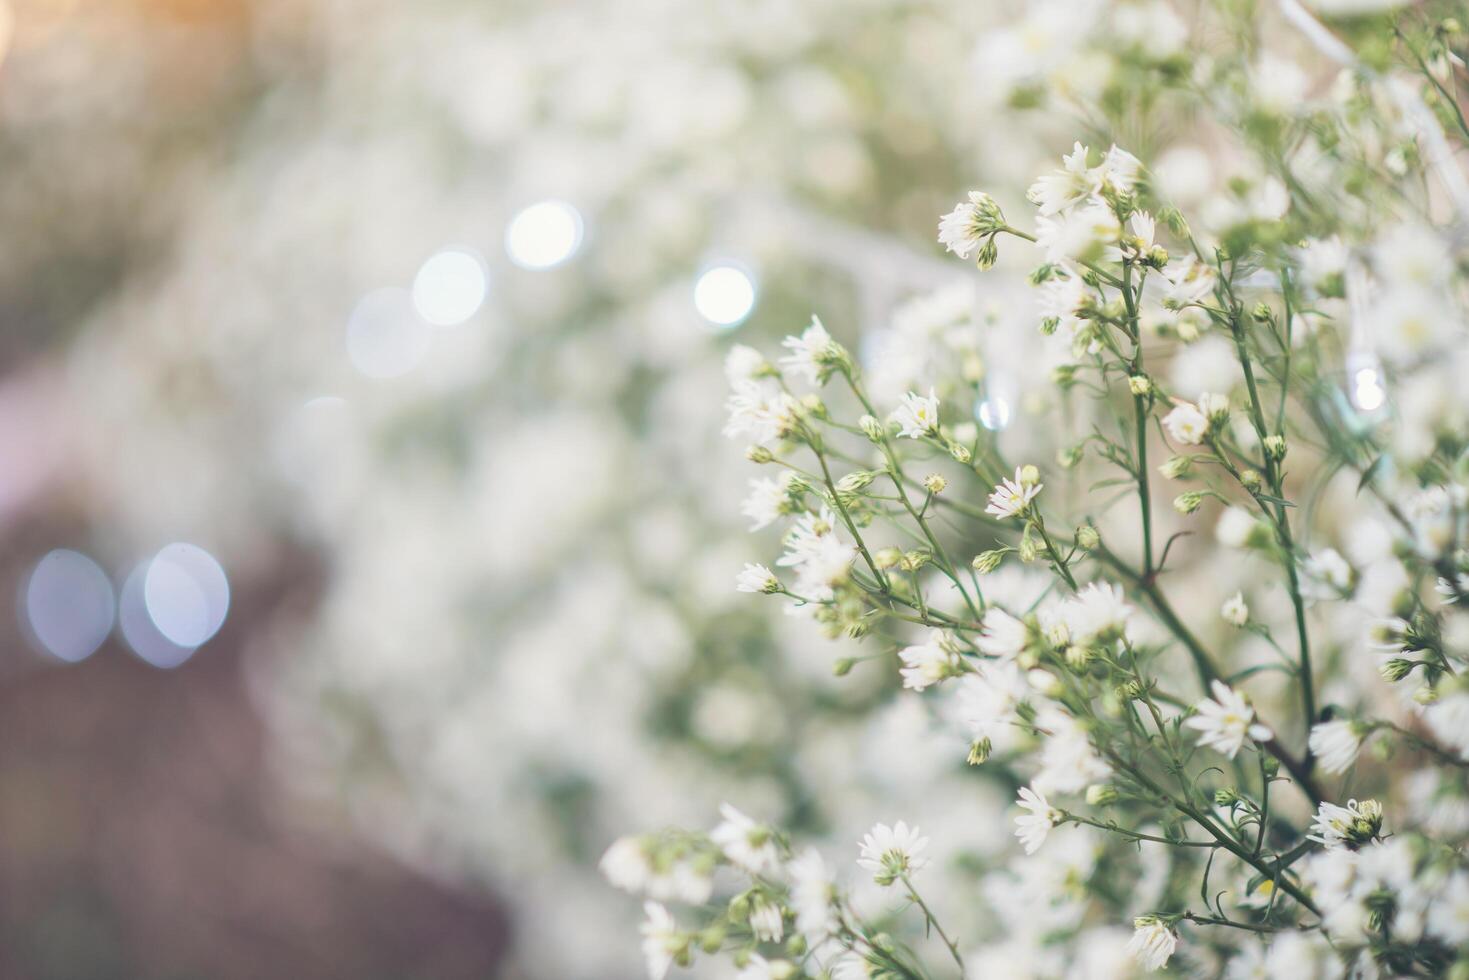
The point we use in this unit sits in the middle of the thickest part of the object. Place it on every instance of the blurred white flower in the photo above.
(1226, 721)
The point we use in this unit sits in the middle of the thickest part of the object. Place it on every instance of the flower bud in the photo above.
(987, 561)
(1027, 550)
(887, 558)
(1087, 538)
(1426, 695)
(934, 483)
(960, 452)
(1100, 794)
(1077, 657)
(843, 667)
(1139, 384)
(1262, 313)
(1029, 475)
(1251, 480)
(871, 428)
(1275, 447)
(1177, 468)
(1396, 669)
(1069, 457)
(985, 257)
(1187, 503)
(914, 560)
(979, 751)
(759, 454)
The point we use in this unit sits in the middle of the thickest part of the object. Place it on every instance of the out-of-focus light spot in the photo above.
(137, 627)
(1367, 391)
(724, 295)
(386, 337)
(449, 287)
(186, 594)
(68, 604)
(544, 235)
(993, 413)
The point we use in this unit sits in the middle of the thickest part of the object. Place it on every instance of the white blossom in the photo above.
(963, 229)
(662, 940)
(1186, 424)
(1010, 497)
(813, 893)
(1235, 611)
(927, 663)
(746, 843)
(1351, 825)
(1335, 744)
(756, 578)
(891, 852)
(1039, 817)
(1098, 612)
(1225, 722)
(810, 353)
(1070, 185)
(1152, 943)
(917, 415)
(1002, 635)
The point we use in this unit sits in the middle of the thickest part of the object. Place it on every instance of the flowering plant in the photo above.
(1217, 753)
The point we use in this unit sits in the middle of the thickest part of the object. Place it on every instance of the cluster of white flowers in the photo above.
(1090, 646)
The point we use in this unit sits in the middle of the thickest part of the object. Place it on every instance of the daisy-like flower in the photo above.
(759, 412)
(662, 940)
(1010, 497)
(1079, 234)
(1235, 611)
(1002, 635)
(1096, 614)
(813, 354)
(927, 663)
(1072, 184)
(1348, 826)
(963, 229)
(769, 500)
(757, 578)
(989, 703)
(1152, 942)
(1039, 817)
(1226, 721)
(1069, 762)
(746, 843)
(891, 852)
(1335, 744)
(1186, 424)
(1188, 281)
(813, 893)
(917, 415)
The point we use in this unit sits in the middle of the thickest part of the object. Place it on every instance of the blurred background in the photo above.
(366, 532)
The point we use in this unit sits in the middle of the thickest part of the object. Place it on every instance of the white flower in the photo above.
(1329, 569)
(746, 843)
(743, 364)
(1448, 916)
(662, 940)
(1033, 825)
(1079, 234)
(1010, 497)
(811, 353)
(1236, 526)
(1234, 610)
(1189, 281)
(766, 921)
(756, 578)
(812, 896)
(963, 229)
(1120, 168)
(1069, 762)
(759, 412)
(1070, 185)
(926, 663)
(916, 415)
(988, 702)
(625, 865)
(769, 499)
(1335, 744)
(890, 852)
(1186, 424)
(1225, 722)
(1002, 635)
(1347, 826)
(1152, 942)
(1214, 407)
(758, 967)
(1448, 719)
(1097, 613)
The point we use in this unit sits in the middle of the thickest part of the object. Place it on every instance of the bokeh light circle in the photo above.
(450, 287)
(186, 594)
(724, 295)
(544, 235)
(68, 604)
